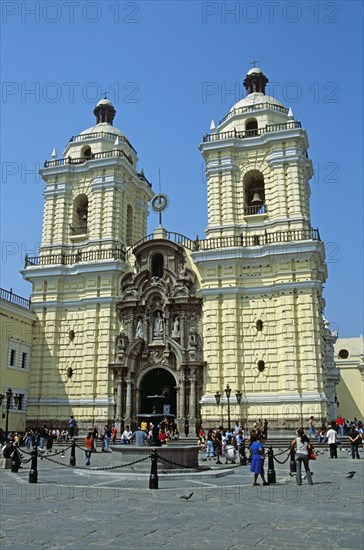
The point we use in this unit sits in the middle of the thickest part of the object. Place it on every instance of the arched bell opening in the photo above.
(251, 127)
(254, 193)
(86, 153)
(79, 215)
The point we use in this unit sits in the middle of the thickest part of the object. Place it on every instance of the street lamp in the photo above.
(227, 390)
(9, 394)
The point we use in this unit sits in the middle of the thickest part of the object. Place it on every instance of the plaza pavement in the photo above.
(78, 509)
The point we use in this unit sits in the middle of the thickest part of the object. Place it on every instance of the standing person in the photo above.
(106, 439)
(29, 438)
(209, 445)
(301, 444)
(72, 425)
(217, 439)
(332, 440)
(49, 443)
(42, 435)
(114, 433)
(257, 460)
(311, 427)
(95, 435)
(265, 428)
(187, 428)
(340, 425)
(355, 439)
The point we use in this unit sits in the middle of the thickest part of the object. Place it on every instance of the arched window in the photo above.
(157, 264)
(252, 127)
(254, 194)
(129, 225)
(80, 215)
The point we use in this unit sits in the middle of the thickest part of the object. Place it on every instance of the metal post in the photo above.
(271, 471)
(243, 459)
(292, 464)
(229, 422)
(33, 474)
(9, 394)
(153, 478)
(73, 454)
(16, 461)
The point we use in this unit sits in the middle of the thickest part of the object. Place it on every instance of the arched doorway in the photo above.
(158, 381)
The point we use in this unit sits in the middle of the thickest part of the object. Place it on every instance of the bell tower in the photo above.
(257, 167)
(95, 207)
(262, 265)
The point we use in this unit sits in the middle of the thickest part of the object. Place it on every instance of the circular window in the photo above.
(343, 354)
(261, 366)
(259, 325)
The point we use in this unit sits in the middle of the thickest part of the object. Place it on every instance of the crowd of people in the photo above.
(216, 443)
(337, 429)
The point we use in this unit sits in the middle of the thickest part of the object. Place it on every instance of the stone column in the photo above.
(119, 397)
(181, 396)
(192, 412)
(128, 401)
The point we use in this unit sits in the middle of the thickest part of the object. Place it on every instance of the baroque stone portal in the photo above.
(159, 349)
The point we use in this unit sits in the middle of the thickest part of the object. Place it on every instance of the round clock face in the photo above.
(159, 203)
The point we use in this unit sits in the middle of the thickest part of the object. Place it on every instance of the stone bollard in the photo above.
(271, 471)
(33, 473)
(153, 478)
(73, 454)
(292, 464)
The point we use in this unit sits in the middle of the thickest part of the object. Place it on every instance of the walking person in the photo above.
(332, 440)
(257, 460)
(89, 447)
(302, 445)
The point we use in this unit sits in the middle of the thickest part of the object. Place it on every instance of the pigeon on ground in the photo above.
(186, 497)
(350, 475)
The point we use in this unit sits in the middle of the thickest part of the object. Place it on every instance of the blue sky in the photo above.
(169, 68)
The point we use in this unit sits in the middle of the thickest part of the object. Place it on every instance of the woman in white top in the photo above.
(301, 444)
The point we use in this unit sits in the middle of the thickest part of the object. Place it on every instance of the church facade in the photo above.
(122, 316)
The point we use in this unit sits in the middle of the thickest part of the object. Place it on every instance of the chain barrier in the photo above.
(285, 451)
(94, 469)
(40, 452)
(279, 461)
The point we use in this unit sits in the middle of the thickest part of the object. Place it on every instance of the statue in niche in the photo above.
(139, 333)
(158, 325)
(175, 329)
